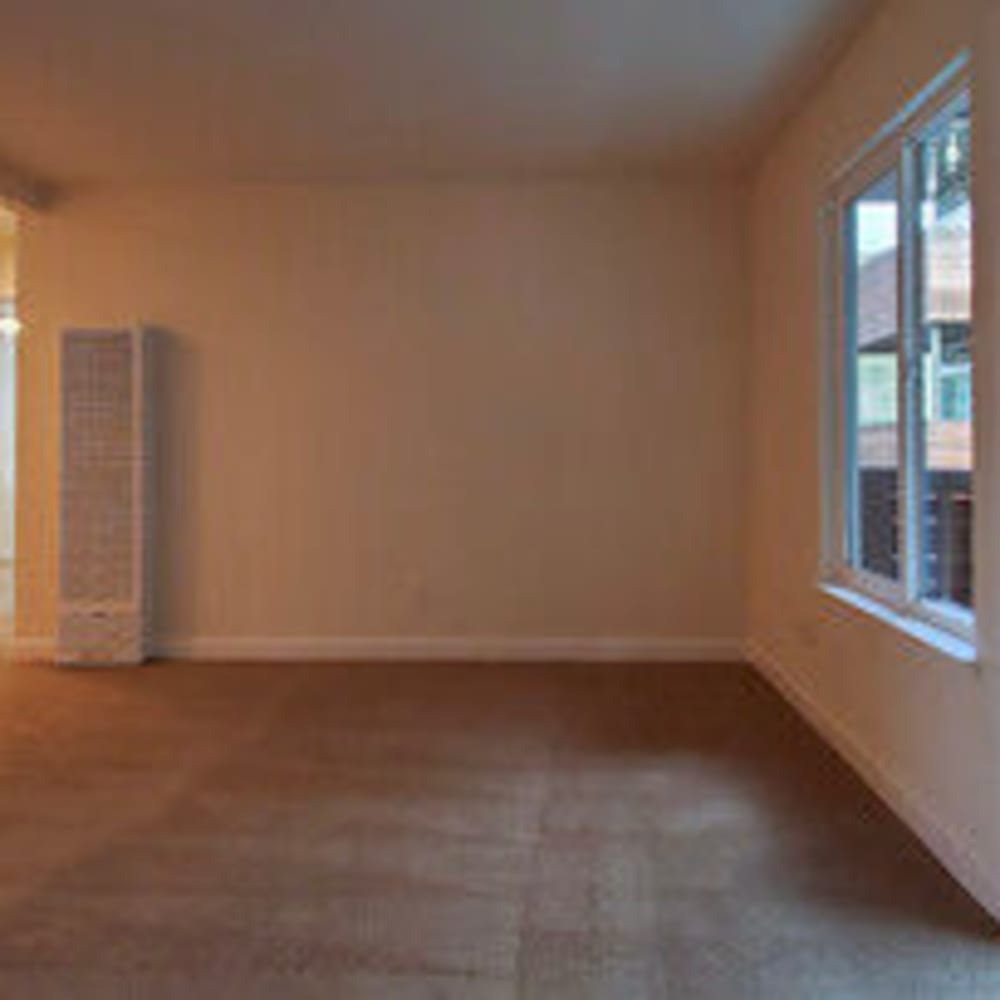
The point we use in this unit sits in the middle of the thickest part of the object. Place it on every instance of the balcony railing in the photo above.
(947, 521)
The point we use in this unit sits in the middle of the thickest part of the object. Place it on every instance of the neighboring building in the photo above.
(947, 382)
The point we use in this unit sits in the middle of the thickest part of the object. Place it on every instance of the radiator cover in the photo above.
(103, 485)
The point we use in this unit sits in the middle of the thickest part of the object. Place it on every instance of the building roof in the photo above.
(949, 287)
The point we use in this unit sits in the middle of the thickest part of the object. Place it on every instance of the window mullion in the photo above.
(850, 492)
(834, 506)
(910, 437)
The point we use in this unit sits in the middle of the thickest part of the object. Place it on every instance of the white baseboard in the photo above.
(953, 850)
(27, 648)
(415, 649)
(542, 649)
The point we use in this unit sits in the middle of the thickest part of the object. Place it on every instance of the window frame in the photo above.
(894, 149)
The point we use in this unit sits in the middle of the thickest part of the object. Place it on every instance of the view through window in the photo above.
(945, 328)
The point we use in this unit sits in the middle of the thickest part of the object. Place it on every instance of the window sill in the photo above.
(939, 640)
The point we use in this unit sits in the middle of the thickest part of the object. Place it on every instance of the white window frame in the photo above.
(894, 148)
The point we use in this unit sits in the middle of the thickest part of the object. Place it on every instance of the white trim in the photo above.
(919, 628)
(953, 849)
(882, 598)
(920, 109)
(452, 649)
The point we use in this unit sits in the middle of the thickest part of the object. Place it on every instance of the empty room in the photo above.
(498, 499)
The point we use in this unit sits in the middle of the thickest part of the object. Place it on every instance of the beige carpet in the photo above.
(470, 832)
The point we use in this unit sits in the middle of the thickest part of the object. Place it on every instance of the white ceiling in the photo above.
(317, 89)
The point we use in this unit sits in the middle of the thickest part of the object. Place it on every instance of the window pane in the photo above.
(945, 339)
(872, 376)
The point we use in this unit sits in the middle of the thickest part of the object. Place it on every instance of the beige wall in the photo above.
(926, 723)
(439, 410)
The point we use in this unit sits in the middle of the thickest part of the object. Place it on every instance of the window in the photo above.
(901, 490)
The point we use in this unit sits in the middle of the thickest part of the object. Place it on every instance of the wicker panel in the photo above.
(100, 637)
(102, 502)
(97, 482)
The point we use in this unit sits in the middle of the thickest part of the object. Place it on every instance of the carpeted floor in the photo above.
(480, 832)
